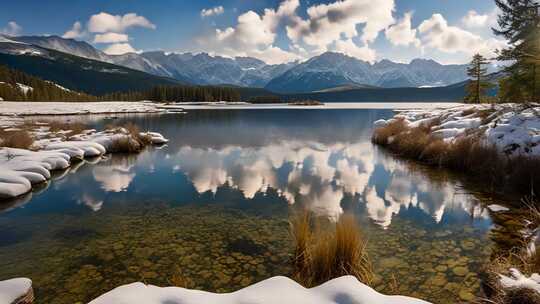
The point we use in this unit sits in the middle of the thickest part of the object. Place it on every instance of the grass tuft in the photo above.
(132, 141)
(321, 256)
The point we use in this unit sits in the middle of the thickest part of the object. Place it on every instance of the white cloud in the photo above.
(12, 29)
(402, 32)
(119, 49)
(75, 32)
(254, 35)
(215, 11)
(348, 47)
(111, 38)
(104, 22)
(475, 20)
(328, 23)
(437, 34)
(328, 27)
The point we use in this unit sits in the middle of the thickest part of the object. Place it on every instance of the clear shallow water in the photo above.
(210, 210)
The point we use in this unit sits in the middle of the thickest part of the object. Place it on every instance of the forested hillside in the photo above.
(19, 86)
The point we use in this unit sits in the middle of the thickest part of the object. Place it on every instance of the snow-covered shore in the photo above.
(513, 128)
(16, 291)
(20, 169)
(344, 290)
(29, 108)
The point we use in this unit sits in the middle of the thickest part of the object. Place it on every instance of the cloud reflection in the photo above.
(320, 176)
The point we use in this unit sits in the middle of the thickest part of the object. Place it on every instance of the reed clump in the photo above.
(129, 139)
(322, 255)
(468, 154)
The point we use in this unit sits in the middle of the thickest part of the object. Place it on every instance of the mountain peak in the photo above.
(424, 62)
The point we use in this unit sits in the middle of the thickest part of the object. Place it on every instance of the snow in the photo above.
(20, 169)
(58, 86)
(513, 128)
(283, 290)
(24, 88)
(73, 108)
(14, 289)
(497, 208)
(519, 280)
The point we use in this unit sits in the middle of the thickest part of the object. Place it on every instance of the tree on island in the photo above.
(476, 89)
(519, 23)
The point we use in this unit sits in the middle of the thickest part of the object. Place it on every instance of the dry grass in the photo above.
(132, 142)
(125, 144)
(321, 256)
(20, 139)
(519, 257)
(481, 163)
(384, 135)
(74, 127)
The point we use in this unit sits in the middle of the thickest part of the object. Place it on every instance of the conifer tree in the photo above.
(476, 89)
(519, 23)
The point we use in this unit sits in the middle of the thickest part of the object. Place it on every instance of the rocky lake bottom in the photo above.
(221, 249)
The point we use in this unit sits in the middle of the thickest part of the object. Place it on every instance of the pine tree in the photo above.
(519, 23)
(477, 87)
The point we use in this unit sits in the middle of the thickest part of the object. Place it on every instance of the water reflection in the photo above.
(320, 176)
(325, 167)
(235, 175)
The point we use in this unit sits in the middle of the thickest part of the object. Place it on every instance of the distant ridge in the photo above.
(323, 72)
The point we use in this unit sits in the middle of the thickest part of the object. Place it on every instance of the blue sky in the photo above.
(449, 31)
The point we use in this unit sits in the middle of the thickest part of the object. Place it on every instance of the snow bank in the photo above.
(344, 290)
(14, 289)
(20, 169)
(519, 280)
(497, 208)
(513, 128)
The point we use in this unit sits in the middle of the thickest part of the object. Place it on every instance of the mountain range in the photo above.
(329, 71)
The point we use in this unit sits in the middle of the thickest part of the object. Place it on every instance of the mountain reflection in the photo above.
(319, 176)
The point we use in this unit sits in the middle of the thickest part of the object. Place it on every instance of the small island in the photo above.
(307, 102)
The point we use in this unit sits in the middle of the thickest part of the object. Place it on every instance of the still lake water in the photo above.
(210, 209)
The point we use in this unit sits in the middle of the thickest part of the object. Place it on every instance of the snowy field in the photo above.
(74, 108)
(513, 128)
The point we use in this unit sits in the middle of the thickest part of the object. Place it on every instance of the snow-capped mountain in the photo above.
(331, 70)
(69, 46)
(195, 68)
(214, 70)
(323, 72)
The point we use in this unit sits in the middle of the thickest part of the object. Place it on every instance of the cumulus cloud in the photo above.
(12, 29)
(348, 47)
(104, 22)
(402, 32)
(254, 35)
(215, 11)
(329, 27)
(75, 32)
(437, 34)
(111, 38)
(119, 49)
(328, 23)
(474, 20)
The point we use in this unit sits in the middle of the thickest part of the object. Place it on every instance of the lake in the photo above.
(210, 210)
